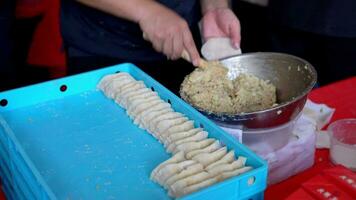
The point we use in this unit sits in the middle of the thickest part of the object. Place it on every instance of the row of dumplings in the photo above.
(197, 161)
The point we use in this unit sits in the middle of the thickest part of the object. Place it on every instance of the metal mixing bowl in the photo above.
(293, 77)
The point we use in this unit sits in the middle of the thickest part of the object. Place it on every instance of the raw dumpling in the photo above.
(178, 157)
(178, 186)
(136, 102)
(163, 125)
(197, 137)
(180, 135)
(146, 119)
(127, 89)
(189, 146)
(140, 108)
(114, 81)
(227, 167)
(213, 147)
(158, 107)
(228, 158)
(172, 115)
(139, 94)
(236, 172)
(191, 170)
(169, 170)
(186, 126)
(208, 158)
(192, 188)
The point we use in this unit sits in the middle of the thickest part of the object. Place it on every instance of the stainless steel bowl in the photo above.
(293, 77)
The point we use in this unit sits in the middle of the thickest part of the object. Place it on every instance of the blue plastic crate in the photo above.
(78, 144)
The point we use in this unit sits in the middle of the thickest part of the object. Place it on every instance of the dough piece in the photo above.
(228, 158)
(197, 137)
(158, 107)
(192, 188)
(178, 157)
(236, 172)
(119, 79)
(218, 48)
(213, 147)
(136, 102)
(172, 115)
(171, 169)
(208, 158)
(178, 186)
(134, 111)
(126, 92)
(180, 135)
(163, 125)
(146, 119)
(189, 146)
(186, 126)
(117, 85)
(218, 169)
(119, 99)
(139, 94)
(191, 170)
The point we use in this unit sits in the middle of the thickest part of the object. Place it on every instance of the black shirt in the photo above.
(326, 17)
(90, 32)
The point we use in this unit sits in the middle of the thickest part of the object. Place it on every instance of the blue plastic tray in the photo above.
(64, 139)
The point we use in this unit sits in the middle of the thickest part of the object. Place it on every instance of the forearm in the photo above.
(207, 5)
(133, 10)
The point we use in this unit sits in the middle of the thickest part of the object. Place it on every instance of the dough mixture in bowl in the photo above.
(209, 89)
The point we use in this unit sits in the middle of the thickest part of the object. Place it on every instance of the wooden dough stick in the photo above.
(202, 63)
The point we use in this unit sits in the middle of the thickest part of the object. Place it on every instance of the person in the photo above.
(321, 31)
(99, 33)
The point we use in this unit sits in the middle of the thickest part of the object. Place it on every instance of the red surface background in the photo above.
(340, 95)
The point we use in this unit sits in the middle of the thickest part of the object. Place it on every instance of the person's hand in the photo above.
(168, 33)
(221, 22)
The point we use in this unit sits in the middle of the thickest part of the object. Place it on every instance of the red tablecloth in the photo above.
(340, 95)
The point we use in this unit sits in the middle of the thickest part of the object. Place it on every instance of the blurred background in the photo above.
(321, 31)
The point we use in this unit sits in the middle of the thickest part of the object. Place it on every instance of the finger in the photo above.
(177, 47)
(168, 47)
(189, 45)
(157, 45)
(235, 34)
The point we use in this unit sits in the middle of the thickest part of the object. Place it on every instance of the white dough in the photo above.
(171, 169)
(189, 146)
(192, 188)
(227, 167)
(186, 126)
(140, 108)
(191, 170)
(180, 135)
(137, 102)
(139, 94)
(208, 158)
(146, 119)
(166, 124)
(236, 172)
(178, 157)
(117, 85)
(213, 147)
(166, 107)
(190, 180)
(172, 115)
(228, 158)
(197, 137)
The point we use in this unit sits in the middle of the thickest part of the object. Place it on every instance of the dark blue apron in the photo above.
(90, 32)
